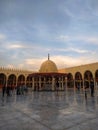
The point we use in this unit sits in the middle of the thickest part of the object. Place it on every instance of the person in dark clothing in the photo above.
(86, 93)
(57, 87)
(86, 84)
(8, 90)
(3, 90)
(92, 88)
(18, 90)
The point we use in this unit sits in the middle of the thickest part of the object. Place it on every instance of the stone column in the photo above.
(25, 80)
(74, 85)
(39, 83)
(33, 83)
(95, 86)
(16, 81)
(66, 83)
(6, 81)
(62, 83)
(83, 85)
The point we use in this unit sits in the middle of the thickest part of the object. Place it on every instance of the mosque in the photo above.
(50, 78)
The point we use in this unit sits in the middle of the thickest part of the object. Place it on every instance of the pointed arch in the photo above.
(29, 81)
(11, 80)
(78, 80)
(21, 80)
(2, 79)
(88, 76)
(70, 81)
(96, 76)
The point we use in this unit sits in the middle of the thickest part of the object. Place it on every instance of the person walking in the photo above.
(3, 90)
(57, 87)
(92, 88)
(86, 87)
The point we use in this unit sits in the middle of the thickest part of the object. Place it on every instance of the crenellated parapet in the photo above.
(15, 71)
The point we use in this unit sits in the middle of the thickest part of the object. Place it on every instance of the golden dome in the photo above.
(48, 66)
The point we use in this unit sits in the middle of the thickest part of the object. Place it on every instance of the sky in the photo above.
(30, 29)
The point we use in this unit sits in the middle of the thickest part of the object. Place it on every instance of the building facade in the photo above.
(14, 77)
(48, 78)
(49, 75)
(78, 75)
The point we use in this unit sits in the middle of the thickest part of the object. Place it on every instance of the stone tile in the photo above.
(49, 111)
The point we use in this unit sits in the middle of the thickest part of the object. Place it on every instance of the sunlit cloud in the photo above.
(69, 61)
(15, 46)
(11, 45)
(61, 61)
(33, 63)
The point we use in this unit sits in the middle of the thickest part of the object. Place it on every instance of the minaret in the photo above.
(48, 56)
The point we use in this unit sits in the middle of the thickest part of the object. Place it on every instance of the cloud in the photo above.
(15, 46)
(87, 39)
(93, 6)
(93, 40)
(77, 50)
(34, 63)
(31, 30)
(63, 38)
(83, 10)
(2, 37)
(11, 45)
(70, 61)
(70, 49)
(61, 61)
(68, 12)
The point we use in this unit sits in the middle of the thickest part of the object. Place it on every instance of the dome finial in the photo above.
(48, 56)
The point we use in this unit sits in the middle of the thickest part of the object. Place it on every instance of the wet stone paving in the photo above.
(67, 110)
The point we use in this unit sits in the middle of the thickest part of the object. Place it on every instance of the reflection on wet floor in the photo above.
(49, 111)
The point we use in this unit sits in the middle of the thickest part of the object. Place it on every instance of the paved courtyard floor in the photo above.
(49, 111)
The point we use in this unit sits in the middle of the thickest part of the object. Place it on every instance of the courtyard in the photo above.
(64, 110)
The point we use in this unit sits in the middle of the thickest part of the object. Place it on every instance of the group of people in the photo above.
(21, 90)
(9, 90)
(88, 85)
(91, 88)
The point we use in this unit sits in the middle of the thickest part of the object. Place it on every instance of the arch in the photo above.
(96, 76)
(88, 76)
(78, 80)
(78, 76)
(2, 79)
(21, 80)
(70, 81)
(29, 81)
(11, 80)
